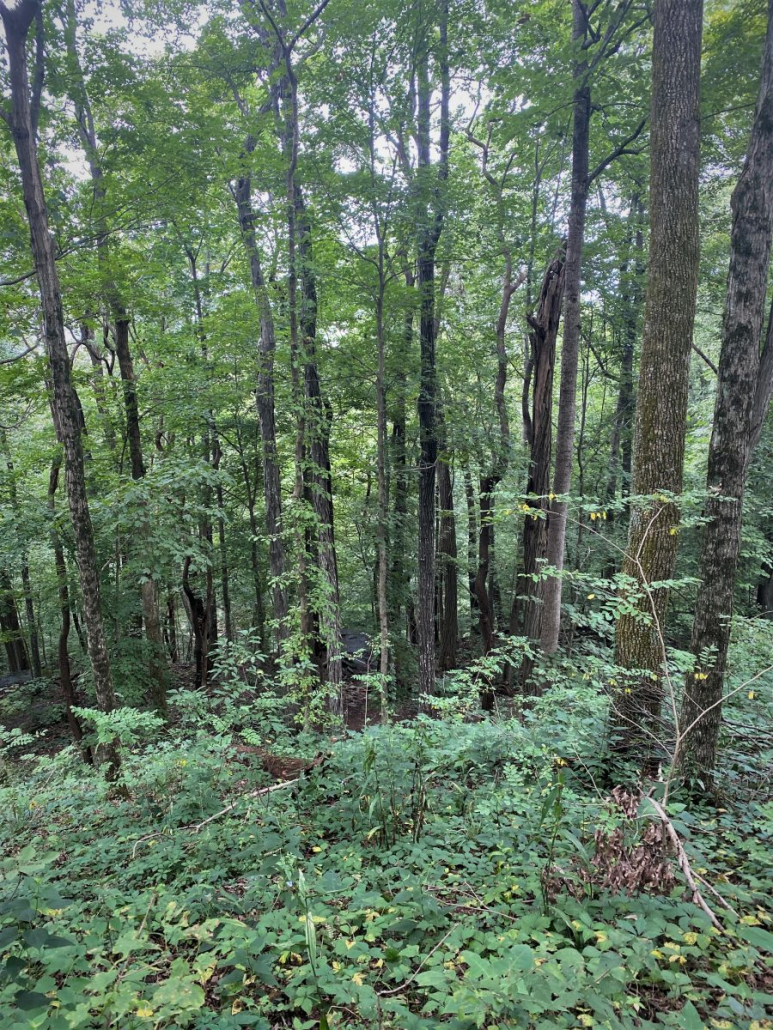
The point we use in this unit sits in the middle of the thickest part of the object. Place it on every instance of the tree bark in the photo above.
(729, 450)
(661, 406)
(17, 22)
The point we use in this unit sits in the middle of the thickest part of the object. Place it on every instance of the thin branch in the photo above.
(619, 151)
(684, 862)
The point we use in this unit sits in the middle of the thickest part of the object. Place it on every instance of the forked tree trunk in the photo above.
(730, 447)
(661, 407)
(538, 430)
(17, 22)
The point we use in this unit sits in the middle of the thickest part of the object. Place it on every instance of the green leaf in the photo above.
(756, 936)
(689, 1019)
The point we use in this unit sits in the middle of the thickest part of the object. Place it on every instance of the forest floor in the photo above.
(432, 873)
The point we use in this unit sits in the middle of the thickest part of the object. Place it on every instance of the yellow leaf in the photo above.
(144, 1011)
(750, 695)
(591, 596)
(359, 978)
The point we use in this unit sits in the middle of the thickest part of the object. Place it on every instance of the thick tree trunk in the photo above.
(661, 407)
(16, 23)
(562, 478)
(729, 450)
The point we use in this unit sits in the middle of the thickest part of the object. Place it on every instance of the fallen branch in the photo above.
(195, 827)
(253, 794)
(684, 862)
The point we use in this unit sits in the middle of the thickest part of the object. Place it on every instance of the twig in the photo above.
(684, 862)
(716, 894)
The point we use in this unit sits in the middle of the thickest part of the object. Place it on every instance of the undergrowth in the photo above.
(442, 873)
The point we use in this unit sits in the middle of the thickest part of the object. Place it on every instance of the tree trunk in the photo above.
(383, 495)
(729, 450)
(430, 226)
(318, 419)
(32, 628)
(17, 22)
(13, 639)
(538, 429)
(399, 577)
(631, 276)
(661, 406)
(63, 592)
(448, 616)
(562, 478)
(472, 540)
(264, 397)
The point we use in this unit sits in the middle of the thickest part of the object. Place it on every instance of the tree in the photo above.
(743, 392)
(22, 121)
(607, 42)
(430, 224)
(661, 405)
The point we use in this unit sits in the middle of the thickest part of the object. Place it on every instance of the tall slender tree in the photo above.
(22, 121)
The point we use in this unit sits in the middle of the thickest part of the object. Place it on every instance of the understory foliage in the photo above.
(438, 872)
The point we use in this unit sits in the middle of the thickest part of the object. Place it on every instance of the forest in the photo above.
(386, 514)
